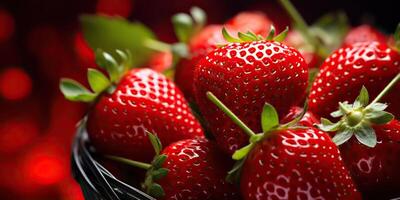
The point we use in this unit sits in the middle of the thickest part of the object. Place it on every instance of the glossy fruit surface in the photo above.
(245, 76)
(143, 100)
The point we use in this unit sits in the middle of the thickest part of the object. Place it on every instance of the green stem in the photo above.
(133, 163)
(385, 90)
(303, 27)
(157, 45)
(230, 114)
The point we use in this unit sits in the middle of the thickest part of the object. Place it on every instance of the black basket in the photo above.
(97, 182)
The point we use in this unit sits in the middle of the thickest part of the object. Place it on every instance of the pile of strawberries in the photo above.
(238, 120)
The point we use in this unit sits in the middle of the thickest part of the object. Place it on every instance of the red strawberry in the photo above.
(295, 39)
(207, 40)
(375, 170)
(142, 100)
(288, 162)
(364, 33)
(256, 22)
(202, 43)
(308, 119)
(187, 169)
(160, 61)
(371, 64)
(197, 170)
(246, 75)
(372, 155)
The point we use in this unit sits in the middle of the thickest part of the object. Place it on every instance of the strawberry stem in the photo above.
(133, 163)
(303, 27)
(385, 90)
(230, 114)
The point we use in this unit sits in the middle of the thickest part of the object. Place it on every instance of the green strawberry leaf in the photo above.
(362, 99)
(159, 173)
(241, 153)
(329, 126)
(281, 36)
(378, 106)
(345, 107)
(159, 161)
(156, 190)
(110, 33)
(199, 17)
(246, 37)
(155, 142)
(183, 25)
(271, 33)
(97, 80)
(107, 61)
(228, 37)
(331, 29)
(366, 135)
(180, 50)
(396, 37)
(379, 117)
(234, 174)
(342, 136)
(74, 91)
(337, 113)
(269, 118)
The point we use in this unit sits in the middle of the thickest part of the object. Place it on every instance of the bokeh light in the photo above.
(15, 83)
(7, 25)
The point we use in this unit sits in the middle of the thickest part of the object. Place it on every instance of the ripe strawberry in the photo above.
(364, 33)
(207, 40)
(160, 61)
(295, 39)
(187, 169)
(142, 100)
(246, 75)
(372, 155)
(371, 64)
(288, 162)
(256, 22)
(308, 119)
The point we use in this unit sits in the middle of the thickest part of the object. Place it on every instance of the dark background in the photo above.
(40, 41)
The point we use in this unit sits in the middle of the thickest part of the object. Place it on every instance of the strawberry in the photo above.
(246, 74)
(256, 22)
(309, 53)
(372, 155)
(364, 33)
(160, 62)
(187, 169)
(371, 64)
(288, 161)
(308, 119)
(207, 39)
(141, 100)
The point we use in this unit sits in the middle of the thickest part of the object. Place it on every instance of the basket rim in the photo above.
(95, 181)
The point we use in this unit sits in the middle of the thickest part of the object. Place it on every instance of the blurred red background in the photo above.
(41, 41)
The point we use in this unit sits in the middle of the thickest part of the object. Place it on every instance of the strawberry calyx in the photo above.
(185, 27)
(154, 172)
(115, 67)
(358, 118)
(250, 36)
(269, 124)
(325, 35)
